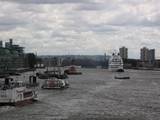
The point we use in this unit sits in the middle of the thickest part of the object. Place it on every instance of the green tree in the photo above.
(31, 60)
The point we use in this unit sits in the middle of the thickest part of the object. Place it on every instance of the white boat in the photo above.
(54, 83)
(16, 92)
(115, 63)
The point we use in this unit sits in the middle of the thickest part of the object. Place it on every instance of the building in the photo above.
(148, 55)
(9, 44)
(14, 48)
(1, 44)
(11, 56)
(144, 54)
(151, 56)
(123, 51)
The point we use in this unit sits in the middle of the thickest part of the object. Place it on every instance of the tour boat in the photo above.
(16, 92)
(116, 63)
(72, 71)
(49, 74)
(54, 83)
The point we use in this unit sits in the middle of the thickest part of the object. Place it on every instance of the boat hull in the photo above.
(74, 73)
(19, 103)
(122, 77)
(69, 72)
(116, 69)
(54, 87)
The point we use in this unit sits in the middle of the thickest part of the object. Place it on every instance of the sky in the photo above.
(57, 27)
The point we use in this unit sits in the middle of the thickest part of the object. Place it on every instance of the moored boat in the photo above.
(14, 92)
(72, 71)
(49, 74)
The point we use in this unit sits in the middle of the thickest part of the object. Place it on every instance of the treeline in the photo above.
(84, 62)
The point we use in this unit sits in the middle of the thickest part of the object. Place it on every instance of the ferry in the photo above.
(14, 92)
(54, 83)
(56, 72)
(72, 71)
(49, 74)
(116, 63)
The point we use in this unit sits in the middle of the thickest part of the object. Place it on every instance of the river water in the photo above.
(95, 95)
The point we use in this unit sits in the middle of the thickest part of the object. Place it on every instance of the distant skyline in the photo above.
(52, 27)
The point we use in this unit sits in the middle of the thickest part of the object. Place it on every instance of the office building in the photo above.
(151, 56)
(123, 51)
(144, 54)
(147, 55)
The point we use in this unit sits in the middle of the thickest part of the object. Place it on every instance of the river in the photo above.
(95, 95)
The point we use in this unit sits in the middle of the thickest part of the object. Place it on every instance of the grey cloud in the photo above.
(110, 5)
(91, 7)
(52, 27)
(129, 19)
(102, 28)
(48, 1)
(9, 23)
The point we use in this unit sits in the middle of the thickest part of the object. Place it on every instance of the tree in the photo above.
(31, 60)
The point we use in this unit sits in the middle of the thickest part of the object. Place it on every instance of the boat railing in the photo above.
(11, 86)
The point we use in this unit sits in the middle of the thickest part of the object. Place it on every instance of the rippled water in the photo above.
(95, 95)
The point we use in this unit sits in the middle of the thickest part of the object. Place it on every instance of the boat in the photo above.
(72, 71)
(49, 74)
(56, 72)
(14, 92)
(125, 75)
(116, 63)
(54, 83)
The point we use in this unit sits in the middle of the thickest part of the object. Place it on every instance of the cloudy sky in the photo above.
(81, 26)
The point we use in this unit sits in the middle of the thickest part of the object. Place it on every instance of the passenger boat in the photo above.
(14, 92)
(56, 72)
(72, 71)
(116, 63)
(49, 74)
(54, 83)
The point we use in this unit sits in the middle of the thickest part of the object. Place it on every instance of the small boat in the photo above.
(72, 71)
(16, 92)
(49, 74)
(54, 83)
(116, 63)
(56, 72)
